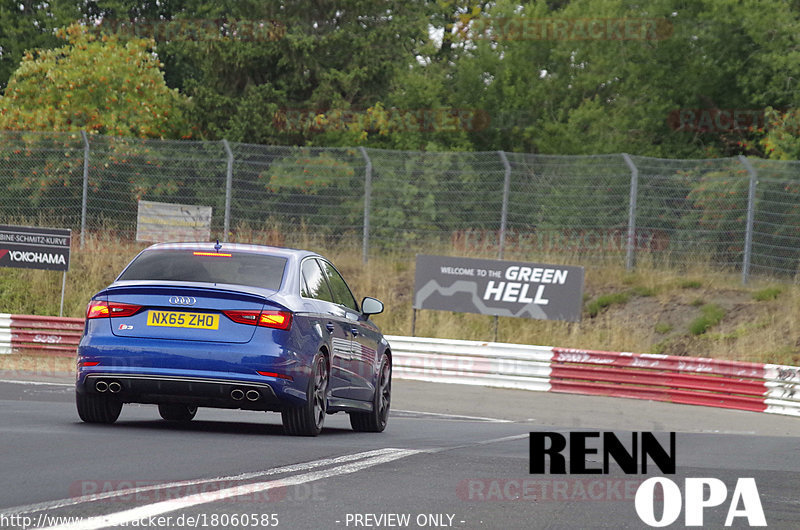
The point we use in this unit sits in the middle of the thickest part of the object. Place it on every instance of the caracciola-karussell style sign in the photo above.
(30, 247)
(499, 288)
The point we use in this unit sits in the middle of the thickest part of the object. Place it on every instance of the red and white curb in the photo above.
(688, 380)
(33, 333)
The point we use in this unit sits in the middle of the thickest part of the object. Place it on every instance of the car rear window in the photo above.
(240, 268)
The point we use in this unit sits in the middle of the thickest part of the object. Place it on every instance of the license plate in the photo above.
(179, 319)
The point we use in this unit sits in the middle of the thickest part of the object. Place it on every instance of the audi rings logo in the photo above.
(182, 300)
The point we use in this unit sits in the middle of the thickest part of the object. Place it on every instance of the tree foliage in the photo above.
(93, 83)
(782, 139)
(542, 90)
(551, 93)
(29, 24)
(325, 56)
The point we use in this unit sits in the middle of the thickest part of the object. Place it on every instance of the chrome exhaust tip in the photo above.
(101, 386)
(253, 395)
(237, 394)
(114, 387)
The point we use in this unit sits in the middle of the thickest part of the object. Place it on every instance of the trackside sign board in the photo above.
(499, 288)
(165, 221)
(29, 247)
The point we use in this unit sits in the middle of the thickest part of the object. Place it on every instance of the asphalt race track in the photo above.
(453, 456)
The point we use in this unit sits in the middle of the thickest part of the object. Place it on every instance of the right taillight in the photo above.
(266, 319)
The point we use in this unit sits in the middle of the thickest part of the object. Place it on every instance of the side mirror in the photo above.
(371, 306)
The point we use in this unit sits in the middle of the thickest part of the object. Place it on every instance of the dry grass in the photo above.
(39, 365)
(660, 302)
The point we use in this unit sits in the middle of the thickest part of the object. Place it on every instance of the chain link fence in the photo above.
(738, 214)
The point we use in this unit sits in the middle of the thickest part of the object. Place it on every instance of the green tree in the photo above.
(93, 83)
(97, 84)
(550, 92)
(318, 56)
(781, 140)
(29, 24)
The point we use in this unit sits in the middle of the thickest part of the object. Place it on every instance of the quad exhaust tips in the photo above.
(115, 387)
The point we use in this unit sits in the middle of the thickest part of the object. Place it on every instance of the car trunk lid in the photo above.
(191, 313)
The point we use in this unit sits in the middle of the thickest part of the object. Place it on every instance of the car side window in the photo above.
(341, 292)
(314, 283)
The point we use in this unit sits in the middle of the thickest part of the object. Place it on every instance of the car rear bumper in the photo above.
(201, 392)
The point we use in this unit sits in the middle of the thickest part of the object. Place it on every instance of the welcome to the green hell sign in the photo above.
(498, 288)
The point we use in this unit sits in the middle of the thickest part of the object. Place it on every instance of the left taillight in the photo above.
(265, 319)
(100, 309)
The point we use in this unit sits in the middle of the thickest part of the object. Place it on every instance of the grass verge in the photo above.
(649, 310)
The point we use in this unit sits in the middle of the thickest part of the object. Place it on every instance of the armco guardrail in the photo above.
(31, 333)
(688, 380)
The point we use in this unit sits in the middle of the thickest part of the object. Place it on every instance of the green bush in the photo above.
(594, 307)
(663, 327)
(641, 290)
(711, 315)
(770, 293)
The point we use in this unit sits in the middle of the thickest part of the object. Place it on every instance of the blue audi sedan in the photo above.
(234, 326)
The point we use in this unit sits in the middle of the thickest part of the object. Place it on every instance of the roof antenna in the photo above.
(217, 246)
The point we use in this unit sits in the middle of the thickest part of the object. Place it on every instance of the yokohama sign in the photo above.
(28, 247)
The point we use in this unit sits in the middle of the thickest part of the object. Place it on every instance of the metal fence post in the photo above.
(85, 197)
(504, 212)
(751, 213)
(367, 203)
(634, 195)
(228, 186)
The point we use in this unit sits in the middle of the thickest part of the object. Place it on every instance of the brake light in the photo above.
(275, 319)
(88, 363)
(265, 319)
(213, 254)
(97, 309)
(100, 309)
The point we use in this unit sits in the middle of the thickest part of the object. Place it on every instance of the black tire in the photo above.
(97, 409)
(307, 419)
(376, 420)
(177, 411)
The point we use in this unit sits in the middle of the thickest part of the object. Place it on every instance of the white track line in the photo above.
(454, 416)
(15, 381)
(305, 466)
(158, 508)
(351, 464)
(482, 442)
